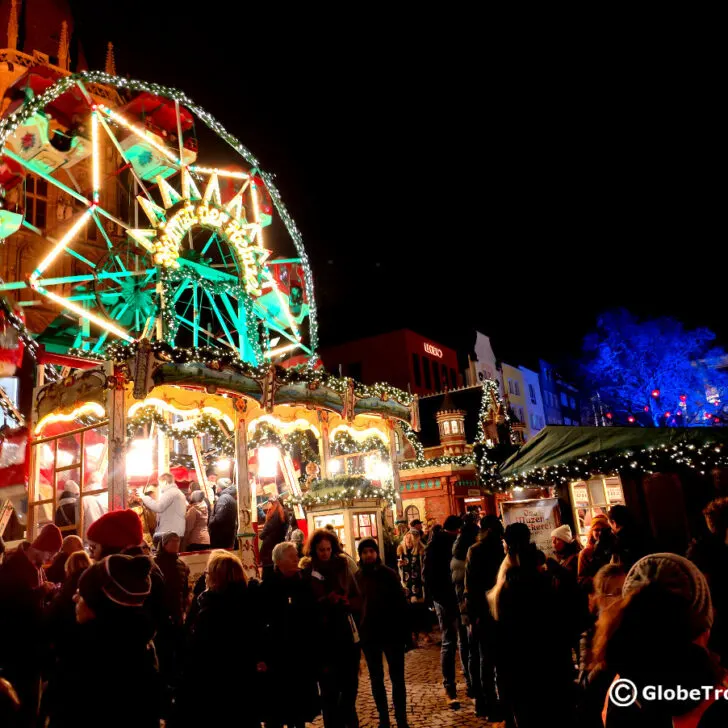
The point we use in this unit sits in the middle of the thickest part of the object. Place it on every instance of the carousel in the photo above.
(183, 343)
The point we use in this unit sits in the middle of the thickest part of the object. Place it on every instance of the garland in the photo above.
(649, 460)
(203, 425)
(9, 410)
(345, 444)
(411, 436)
(345, 488)
(120, 351)
(266, 435)
(18, 324)
(460, 460)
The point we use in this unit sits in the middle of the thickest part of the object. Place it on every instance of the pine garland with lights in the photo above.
(459, 460)
(266, 435)
(345, 444)
(203, 425)
(17, 323)
(9, 410)
(345, 488)
(648, 460)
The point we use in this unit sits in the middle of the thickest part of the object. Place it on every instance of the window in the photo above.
(455, 427)
(572, 402)
(520, 415)
(36, 195)
(510, 386)
(453, 379)
(564, 400)
(533, 422)
(592, 498)
(436, 375)
(516, 388)
(532, 393)
(416, 369)
(411, 513)
(446, 427)
(428, 378)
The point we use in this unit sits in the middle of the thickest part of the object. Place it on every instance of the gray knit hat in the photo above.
(679, 576)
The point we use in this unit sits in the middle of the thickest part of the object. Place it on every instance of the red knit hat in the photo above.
(117, 529)
(49, 539)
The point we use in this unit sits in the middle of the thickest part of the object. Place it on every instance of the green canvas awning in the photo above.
(561, 445)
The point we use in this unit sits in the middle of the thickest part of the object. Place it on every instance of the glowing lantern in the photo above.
(267, 462)
(683, 398)
(630, 419)
(655, 393)
(609, 415)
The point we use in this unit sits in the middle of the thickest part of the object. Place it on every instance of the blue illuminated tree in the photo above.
(656, 371)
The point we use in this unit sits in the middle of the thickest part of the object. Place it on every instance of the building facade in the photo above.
(561, 399)
(514, 391)
(403, 358)
(534, 411)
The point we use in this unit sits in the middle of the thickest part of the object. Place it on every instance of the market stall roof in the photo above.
(560, 445)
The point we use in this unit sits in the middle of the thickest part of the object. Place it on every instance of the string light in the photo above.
(10, 123)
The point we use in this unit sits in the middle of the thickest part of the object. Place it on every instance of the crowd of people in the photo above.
(114, 634)
(541, 640)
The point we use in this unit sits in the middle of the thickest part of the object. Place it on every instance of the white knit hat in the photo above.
(563, 532)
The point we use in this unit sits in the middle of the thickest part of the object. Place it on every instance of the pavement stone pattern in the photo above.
(426, 702)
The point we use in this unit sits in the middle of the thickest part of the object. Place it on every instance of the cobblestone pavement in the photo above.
(426, 705)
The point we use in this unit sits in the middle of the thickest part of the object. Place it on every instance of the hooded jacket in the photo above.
(67, 512)
(196, 530)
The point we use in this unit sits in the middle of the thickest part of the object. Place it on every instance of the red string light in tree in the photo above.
(655, 393)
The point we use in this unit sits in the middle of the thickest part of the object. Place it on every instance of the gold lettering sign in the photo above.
(170, 236)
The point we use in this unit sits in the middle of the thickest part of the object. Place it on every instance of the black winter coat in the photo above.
(219, 644)
(116, 647)
(288, 609)
(436, 571)
(383, 615)
(272, 533)
(481, 571)
(223, 525)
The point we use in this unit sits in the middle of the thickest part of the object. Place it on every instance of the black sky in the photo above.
(446, 180)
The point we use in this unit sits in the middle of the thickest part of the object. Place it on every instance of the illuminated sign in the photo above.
(167, 245)
(430, 349)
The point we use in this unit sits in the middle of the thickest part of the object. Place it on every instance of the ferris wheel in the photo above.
(181, 249)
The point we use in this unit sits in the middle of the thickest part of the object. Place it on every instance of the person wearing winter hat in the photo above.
(384, 630)
(114, 639)
(566, 548)
(598, 550)
(114, 532)
(24, 592)
(56, 572)
(657, 635)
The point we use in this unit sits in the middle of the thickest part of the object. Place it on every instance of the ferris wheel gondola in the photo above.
(186, 259)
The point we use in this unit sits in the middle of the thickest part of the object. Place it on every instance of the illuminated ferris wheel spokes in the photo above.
(199, 274)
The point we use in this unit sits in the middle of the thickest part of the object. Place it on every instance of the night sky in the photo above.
(444, 180)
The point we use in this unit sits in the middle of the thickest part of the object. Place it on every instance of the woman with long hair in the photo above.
(273, 533)
(410, 559)
(219, 643)
(658, 636)
(598, 550)
(326, 570)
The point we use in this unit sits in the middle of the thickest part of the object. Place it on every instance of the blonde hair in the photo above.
(223, 568)
(76, 561)
(410, 541)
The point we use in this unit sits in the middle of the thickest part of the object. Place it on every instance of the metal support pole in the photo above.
(116, 410)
